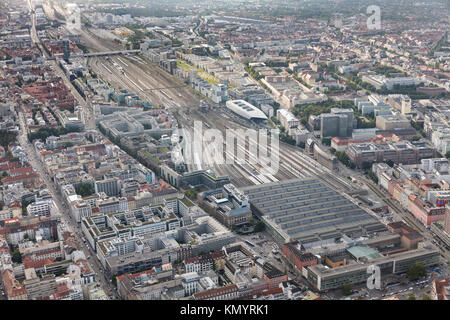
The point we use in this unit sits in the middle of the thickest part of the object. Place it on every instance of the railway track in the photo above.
(395, 206)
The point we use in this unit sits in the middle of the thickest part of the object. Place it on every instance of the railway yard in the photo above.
(184, 167)
(151, 83)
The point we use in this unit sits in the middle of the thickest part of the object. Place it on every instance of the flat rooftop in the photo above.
(322, 271)
(364, 251)
(308, 210)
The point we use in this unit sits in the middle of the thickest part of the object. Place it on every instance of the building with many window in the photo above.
(112, 187)
(229, 292)
(404, 152)
(325, 278)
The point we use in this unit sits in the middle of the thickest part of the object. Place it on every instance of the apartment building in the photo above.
(229, 292)
(42, 207)
(111, 187)
(287, 119)
(39, 287)
(441, 139)
(404, 152)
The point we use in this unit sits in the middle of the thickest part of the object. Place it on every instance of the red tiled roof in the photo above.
(441, 286)
(42, 253)
(22, 170)
(28, 263)
(12, 286)
(135, 275)
(216, 292)
(20, 177)
(272, 291)
(9, 165)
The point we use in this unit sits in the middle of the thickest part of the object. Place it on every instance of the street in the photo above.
(66, 218)
(35, 162)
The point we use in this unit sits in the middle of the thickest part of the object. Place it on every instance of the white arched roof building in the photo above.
(246, 110)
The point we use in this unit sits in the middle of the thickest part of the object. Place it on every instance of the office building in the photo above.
(39, 287)
(404, 152)
(287, 119)
(337, 123)
(441, 139)
(112, 187)
(324, 278)
(390, 122)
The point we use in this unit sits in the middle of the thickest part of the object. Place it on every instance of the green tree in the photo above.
(347, 289)
(25, 204)
(416, 271)
(85, 189)
(287, 139)
(426, 297)
(259, 226)
(326, 141)
(411, 296)
(372, 176)
(344, 159)
(6, 138)
(16, 256)
(191, 194)
(114, 280)
(366, 165)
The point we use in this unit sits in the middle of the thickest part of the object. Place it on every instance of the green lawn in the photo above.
(148, 155)
(201, 73)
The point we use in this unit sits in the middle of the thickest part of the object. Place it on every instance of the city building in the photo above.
(404, 152)
(228, 205)
(111, 187)
(447, 221)
(287, 119)
(441, 140)
(440, 289)
(325, 278)
(246, 110)
(337, 123)
(292, 252)
(390, 122)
